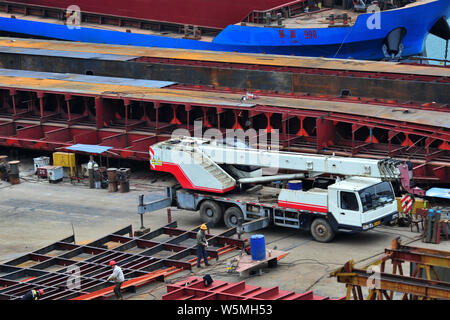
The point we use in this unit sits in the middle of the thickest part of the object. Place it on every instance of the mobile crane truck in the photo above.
(225, 183)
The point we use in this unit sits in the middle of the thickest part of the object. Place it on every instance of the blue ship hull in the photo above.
(357, 41)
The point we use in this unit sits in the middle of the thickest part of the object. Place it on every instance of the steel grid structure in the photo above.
(66, 270)
(194, 288)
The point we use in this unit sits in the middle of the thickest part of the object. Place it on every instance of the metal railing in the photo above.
(443, 62)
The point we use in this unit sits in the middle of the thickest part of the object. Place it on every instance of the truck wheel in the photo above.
(322, 231)
(232, 216)
(211, 211)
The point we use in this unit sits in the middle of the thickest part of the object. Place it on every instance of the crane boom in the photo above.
(313, 164)
(195, 162)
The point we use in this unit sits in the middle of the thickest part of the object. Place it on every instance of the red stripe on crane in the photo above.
(184, 180)
(303, 206)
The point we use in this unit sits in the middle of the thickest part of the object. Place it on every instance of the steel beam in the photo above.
(193, 288)
(384, 282)
(422, 256)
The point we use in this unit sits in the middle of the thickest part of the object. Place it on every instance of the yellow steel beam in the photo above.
(353, 277)
(427, 257)
(397, 283)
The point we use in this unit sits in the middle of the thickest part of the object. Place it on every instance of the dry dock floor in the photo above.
(35, 213)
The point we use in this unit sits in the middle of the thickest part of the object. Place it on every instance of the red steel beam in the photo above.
(193, 288)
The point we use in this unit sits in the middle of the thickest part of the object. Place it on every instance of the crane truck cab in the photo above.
(361, 203)
(350, 205)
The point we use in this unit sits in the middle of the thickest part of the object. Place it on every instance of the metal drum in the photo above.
(3, 167)
(295, 185)
(124, 179)
(14, 172)
(112, 179)
(258, 247)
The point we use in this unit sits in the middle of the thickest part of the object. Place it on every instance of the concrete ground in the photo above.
(35, 213)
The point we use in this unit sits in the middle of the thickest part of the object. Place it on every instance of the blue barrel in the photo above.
(258, 247)
(295, 185)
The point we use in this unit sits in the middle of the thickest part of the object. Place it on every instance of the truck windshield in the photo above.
(376, 196)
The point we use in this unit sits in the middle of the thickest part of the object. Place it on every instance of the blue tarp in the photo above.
(89, 148)
(438, 193)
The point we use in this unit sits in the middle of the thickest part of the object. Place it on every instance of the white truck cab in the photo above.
(353, 204)
(361, 202)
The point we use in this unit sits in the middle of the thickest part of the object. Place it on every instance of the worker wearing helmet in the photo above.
(118, 278)
(201, 246)
(33, 295)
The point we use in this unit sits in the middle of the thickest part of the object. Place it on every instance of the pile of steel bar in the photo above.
(50, 111)
(194, 288)
(66, 270)
(384, 285)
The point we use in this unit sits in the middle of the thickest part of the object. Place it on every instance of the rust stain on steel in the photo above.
(121, 91)
(401, 284)
(356, 277)
(245, 58)
(424, 117)
(371, 87)
(430, 257)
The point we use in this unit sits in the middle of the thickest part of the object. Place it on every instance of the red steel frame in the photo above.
(143, 259)
(193, 288)
(49, 120)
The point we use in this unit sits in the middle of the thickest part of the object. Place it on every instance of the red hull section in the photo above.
(207, 13)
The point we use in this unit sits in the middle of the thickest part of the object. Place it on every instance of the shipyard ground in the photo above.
(36, 213)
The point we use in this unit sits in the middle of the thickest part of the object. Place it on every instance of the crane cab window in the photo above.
(349, 201)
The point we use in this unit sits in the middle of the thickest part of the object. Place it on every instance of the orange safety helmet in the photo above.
(112, 263)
